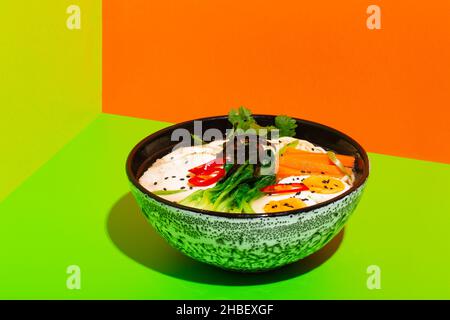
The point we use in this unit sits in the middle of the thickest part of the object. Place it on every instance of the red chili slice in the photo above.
(206, 179)
(207, 167)
(285, 188)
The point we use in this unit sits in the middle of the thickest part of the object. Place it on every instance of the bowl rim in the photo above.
(135, 181)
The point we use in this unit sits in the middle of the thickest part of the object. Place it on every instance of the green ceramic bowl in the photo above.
(247, 242)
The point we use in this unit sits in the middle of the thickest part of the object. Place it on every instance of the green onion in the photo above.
(197, 138)
(338, 163)
(167, 192)
(292, 144)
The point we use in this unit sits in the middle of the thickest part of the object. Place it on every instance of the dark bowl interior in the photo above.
(159, 144)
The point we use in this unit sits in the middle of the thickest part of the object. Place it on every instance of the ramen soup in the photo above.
(300, 175)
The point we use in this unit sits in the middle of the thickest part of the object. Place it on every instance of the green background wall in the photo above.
(50, 82)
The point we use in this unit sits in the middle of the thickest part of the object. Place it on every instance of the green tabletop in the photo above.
(76, 210)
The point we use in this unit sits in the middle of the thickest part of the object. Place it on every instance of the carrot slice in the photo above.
(292, 156)
(305, 168)
(284, 172)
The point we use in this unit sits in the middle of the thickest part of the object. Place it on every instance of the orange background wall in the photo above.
(388, 88)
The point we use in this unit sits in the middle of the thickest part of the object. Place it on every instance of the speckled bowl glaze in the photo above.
(247, 242)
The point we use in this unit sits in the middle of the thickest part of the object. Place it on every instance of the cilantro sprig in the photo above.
(243, 119)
